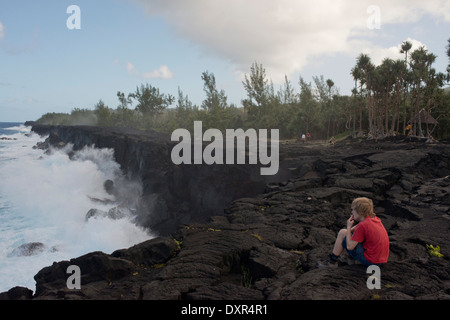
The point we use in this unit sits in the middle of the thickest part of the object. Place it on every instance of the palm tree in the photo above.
(356, 74)
(406, 46)
(399, 69)
(388, 79)
(420, 62)
(366, 66)
(330, 84)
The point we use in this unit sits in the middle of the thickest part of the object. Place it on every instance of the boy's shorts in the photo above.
(357, 253)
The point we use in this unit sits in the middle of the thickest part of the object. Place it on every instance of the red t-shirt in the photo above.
(374, 238)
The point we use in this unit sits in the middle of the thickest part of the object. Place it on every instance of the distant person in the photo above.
(308, 136)
(303, 137)
(408, 129)
(367, 242)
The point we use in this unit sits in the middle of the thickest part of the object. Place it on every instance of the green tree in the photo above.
(79, 116)
(356, 101)
(124, 101)
(151, 103)
(405, 48)
(286, 94)
(256, 103)
(366, 69)
(421, 62)
(386, 79)
(330, 85)
(215, 100)
(103, 114)
(215, 103)
(185, 111)
(306, 111)
(400, 72)
(283, 106)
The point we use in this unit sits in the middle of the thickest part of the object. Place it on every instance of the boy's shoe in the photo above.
(332, 262)
(327, 264)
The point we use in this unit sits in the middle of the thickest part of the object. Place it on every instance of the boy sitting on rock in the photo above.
(367, 242)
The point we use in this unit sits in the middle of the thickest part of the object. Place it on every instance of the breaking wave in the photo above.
(70, 203)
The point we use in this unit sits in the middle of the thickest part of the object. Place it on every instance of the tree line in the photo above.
(398, 96)
(388, 99)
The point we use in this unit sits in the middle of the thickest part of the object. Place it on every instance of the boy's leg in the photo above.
(338, 248)
(358, 255)
(333, 257)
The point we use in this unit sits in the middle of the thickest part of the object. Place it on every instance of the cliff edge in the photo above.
(265, 245)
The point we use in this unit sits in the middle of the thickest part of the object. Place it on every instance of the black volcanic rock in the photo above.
(266, 245)
(172, 194)
(17, 293)
(28, 249)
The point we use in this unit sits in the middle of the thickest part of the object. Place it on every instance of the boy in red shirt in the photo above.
(369, 243)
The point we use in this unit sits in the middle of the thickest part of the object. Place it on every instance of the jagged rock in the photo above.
(265, 245)
(108, 185)
(93, 213)
(28, 249)
(114, 213)
(119, 212)
(150, 253)
(17, 293)
(94, 267)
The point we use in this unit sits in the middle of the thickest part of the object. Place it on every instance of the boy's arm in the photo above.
(351, 244)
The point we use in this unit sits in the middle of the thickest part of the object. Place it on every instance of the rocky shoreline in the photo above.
(227, 233)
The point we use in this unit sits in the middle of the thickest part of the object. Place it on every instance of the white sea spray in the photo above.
(44, 197)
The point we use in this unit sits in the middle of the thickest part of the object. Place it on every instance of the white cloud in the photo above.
(131, 69)
(284, 35)
(163, 72)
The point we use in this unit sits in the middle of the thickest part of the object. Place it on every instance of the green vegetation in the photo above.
(178, 243)
(257, 236)
(434, 251)
(386, 100)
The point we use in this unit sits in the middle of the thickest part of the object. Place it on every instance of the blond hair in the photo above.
(363, 206)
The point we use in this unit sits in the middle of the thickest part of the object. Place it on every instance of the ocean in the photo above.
(44, 201)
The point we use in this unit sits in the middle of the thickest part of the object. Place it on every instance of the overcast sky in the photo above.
(45, 66)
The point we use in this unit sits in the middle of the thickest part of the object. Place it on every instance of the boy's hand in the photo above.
(350, 222)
